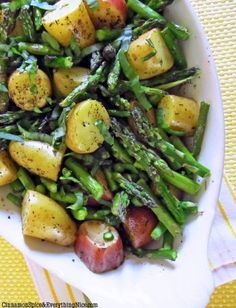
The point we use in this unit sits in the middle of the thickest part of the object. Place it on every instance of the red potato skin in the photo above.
(110, 13)
(139, 223)
(107, 196)
(97, 259)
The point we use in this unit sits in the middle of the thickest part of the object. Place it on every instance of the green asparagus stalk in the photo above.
(120, 204)
(158, 231)
(50, 41)
(189, 161)
(17, 186)
(92, 81)
(180, 32)
(58, 62)
(119, 113)
(37, 17)
(38, 49)
(114, 74)
(150, 161)
(92, 186)
(159, 5)
(49, 184)
(4, 98)
(200, 129)
(154, 254)
(25, 179)
(171, 76)
(121, 167)
(41, 189)
(146, 26)
(14, 199)
(109, 177)
(120, 153)
(176, 154)
(107, 34)
(27, 22)
(134, 79)
(139, 192)
(147, 12)
(168, 241)
(35, 135)
(174, 47)
(67, 198)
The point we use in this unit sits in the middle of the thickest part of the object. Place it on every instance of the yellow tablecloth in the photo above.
(218, 18)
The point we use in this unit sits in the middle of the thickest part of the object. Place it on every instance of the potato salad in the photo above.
(97, 143)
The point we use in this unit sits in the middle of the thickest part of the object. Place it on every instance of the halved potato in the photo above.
(98, 254)
(110, 13)
(149, 55)
(45, 219)
(65, 80)
(7, 169)
(70, 18)
(177, 114)
(82, 135)
(37, 157)
(21, 94)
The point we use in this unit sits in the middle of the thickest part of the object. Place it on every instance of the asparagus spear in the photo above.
(174, 47)
(85, 178)
(25, 179)
(58, 62)
(17, 186)
(150, 161)
(67, 198)
(4, 98)
(147, 12)
(138, 191)
(107, 34)
(171, 77)
(27, 22)
(49, 184)
(200, 129)
(134, 79)
(109, 177)
(159, 5)
(147, 25)
(38, 49)
(114, 74)
(92, 81)
(152, 137)
(120, 204)
(154, 254)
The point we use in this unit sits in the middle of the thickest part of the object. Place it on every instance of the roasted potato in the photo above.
(178, 115)
(82, 135)
(43, 218)
(139, 223)
(65, 80)
(70, 18)
(20, 90)
(108, 195)
(149, 55)
(37, 157)
(7, 169)
(110, 13)
(98, 254)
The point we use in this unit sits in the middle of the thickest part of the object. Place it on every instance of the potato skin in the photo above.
(99, 256)
(82, 136)
(178, 113)
(139, 223)
(70, 18)
(19, 90)
(43, 218)
(7, 169)
(110, 13)
(65, 80)
(37, 157)
(159, 63)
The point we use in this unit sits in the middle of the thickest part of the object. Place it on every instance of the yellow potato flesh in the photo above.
(150, 43)
(37, 157)
(82, 135)
(45, 219)
(70, 18)
(65, 80)
(20, 92)
(7, 169)
(180, 113)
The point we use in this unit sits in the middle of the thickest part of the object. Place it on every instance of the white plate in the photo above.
(188, 281)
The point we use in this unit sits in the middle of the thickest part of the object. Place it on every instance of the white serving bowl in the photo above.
(184, 283)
